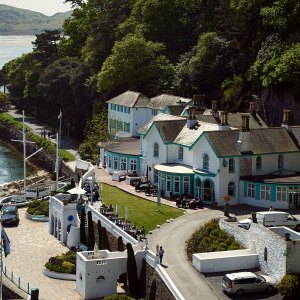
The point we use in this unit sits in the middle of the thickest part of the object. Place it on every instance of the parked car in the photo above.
(273, 218)
(10, 215)
(244, 282)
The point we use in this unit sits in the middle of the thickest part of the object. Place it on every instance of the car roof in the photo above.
(9, 207)
(240, 275)
(273, 213)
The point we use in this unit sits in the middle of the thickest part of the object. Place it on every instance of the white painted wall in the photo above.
(225, 260)
(140, 116)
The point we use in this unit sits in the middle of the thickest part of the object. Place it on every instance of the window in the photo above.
(120, 125)
(281, 193)
(205, 161)
(258, 163)
(154, 112)
(156, 150)
(280, 161)
(116, 162)
(121, 108)
(162, 181)
(133, 164)
(126, 127)
(168, 183)
(155, 176)
(265, 192)
(109, 161)
(231, 186)
(176, 184)
(251, 190)
(180, 153)
(123, 163)
(231, 165)
(186, 184)
(128, 110)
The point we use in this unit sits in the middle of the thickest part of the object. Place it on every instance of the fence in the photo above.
(16, 280)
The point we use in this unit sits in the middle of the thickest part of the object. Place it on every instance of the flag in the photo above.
(5, 242)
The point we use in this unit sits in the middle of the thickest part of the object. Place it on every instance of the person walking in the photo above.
(161, 254)
(271, 208)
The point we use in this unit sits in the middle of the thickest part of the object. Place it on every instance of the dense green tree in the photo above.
(3, 101)
(91, 234)
(146, 70)
(133, 280)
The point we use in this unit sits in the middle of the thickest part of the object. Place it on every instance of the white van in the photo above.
(278, 218)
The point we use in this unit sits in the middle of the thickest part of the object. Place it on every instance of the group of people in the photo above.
(45, 133)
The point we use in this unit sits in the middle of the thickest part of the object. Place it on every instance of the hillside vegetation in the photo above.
(17, 21)
(233, 51)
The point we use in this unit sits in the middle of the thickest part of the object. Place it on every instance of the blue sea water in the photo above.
(13, 46)
(11, 162)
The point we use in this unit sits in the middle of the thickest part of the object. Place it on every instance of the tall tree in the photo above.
(91, 234)
(83, 239)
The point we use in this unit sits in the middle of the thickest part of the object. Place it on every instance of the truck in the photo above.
(278, 218)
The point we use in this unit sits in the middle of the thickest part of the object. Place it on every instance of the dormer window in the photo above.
(280, 161)
(154, 112)
(258, 163)
(155, 150)
(205, 161)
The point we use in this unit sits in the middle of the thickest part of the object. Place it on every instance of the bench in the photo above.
(40, 218)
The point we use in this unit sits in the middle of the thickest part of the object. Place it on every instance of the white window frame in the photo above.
(281, 193)
(186, 184)
(205, 161)
(109, 161)
(155, 150)
(180, 153)
(168, 185)
(176, 184)
(133, 164)
(116, 162)
(231, 165)
(265, 192)
(251, 190)
(123, 164)
(155, 176)
(162, 181)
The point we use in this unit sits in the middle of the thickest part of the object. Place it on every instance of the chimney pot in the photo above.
(214, 106)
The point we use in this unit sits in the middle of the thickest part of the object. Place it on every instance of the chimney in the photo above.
(198, 100)
(214, 106)
(252, 108)
(224, 121)
(191, 121)
(286, 119)
(244, 142)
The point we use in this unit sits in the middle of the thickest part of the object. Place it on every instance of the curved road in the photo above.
(172, 236)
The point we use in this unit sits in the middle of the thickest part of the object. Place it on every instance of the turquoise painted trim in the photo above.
(260, 154)
(128, 157)
(257, 190)
(196, 140)
(245, 188)
(167, 153)
(273, 193)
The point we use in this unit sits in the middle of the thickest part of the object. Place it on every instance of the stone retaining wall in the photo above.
(43, 159)
(270, 247)
(153, 286)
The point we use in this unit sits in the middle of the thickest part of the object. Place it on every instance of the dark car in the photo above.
(9, 215)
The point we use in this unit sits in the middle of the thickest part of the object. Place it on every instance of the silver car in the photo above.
(244, 282)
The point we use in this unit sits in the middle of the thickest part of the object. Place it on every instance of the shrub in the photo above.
(64, 263)
(289, 286)
(118, 297)
(210, 238)
(38, 207)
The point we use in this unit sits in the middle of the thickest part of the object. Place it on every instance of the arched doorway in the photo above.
(208, 191)
(52, 225)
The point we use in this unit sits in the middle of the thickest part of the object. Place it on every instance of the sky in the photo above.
(47, 7)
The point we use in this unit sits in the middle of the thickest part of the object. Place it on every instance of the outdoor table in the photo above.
(103, 209)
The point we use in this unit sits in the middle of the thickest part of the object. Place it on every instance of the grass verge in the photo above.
(140, 211)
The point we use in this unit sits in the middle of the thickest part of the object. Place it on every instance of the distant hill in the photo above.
(17, 21)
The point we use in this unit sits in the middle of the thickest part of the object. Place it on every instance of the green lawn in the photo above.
(140, 211)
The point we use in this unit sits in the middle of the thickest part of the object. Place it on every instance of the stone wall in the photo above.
(152, 285)
(270, 247)
(42, 159)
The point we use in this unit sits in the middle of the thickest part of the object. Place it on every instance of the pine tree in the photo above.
(91, 234)
(106, 245)
(123, 277)
(100, 241)
(133, 280)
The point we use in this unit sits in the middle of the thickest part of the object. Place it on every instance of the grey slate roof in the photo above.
(175, 110)
(169, 130)
(161, 101)
(159, 117)
(130, 99)
(266, 140)
(234, 120)
(129, 146)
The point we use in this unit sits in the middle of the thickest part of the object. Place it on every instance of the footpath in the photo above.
(37, 127)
